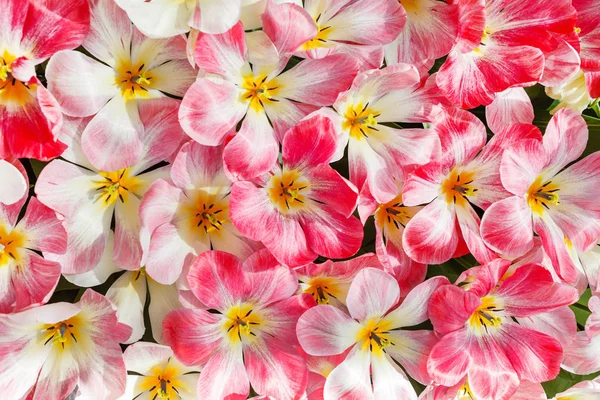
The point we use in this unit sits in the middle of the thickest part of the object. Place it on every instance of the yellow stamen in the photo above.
(361, 121)
(13, 93)
(374, 336)
(542, 195)
(259, 91)
(458, 187)
(241, 322)
(393, 216)
(63, 335)
(11, 243)
(133, 80)
(322, 288)
(486, 315)
(116, 185)
(288, 191)
(320, 40)
(163, 383)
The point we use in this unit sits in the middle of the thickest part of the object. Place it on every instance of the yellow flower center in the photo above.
(485, 316)
(258, 91)
(487, 31)
(10, 243)
(360, 120)
(241, 320)
(394, 216)
(321, 288)
(13, 92)
(288, 191)
(458, 186)
(464, 393)
(374, 335)
(320, 40)
(63, 335)
(412, 6)
(116, 185)
(542, 195)
(211, 216)
(577, 30)
(133, 80)
(162, 384)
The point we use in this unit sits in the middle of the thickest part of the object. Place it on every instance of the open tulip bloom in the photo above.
(299, 199)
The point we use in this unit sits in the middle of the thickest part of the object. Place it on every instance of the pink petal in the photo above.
(209, 119)
(469, 223)
(535, 356)
(224, 376)
(363, 302)
(216, 17)
(553, 241)
(14, 182)
(318, 82)
(80, 84)
(331, 234)
(583, 355)
(490, 374)
(462, 135)
(430, 31)
(253, 150)
(448, 319)
(197, 166)
(310, 143)
(42, 229)
(115, 130)
(325, 330)
(216, 278)
(288, 26)
(389, 380)
(223, 54)
(430, 237)
(449, 359)
(128, 250)
(414, 308)
(194, 335)
(275, 372)
(565, 139)
(51, 26)
(531, 290)
(110, 33)
(411, 351)
(471, 80)
(560, 65)
(559, 324)
(350, 380)
(269, 285)
(328, 187)
(251, 211)
(509, 107)
(162, 135)
(32, 284)
(31, 131)
(506, 227)
(384, 23)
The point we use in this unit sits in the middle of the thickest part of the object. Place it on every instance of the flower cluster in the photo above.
(286, 199)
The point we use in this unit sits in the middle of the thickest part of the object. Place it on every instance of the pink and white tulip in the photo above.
(131, 70)
(158, 374)
(303, 208)
(556, 203)
(467, 173)
(260, 94)
(377, 153)
(50, 350)
(30, 32)
(373, 335)
(189, 214)
(26, 278)
(250, 340)
(517, 35)
(88, 196)
(479, 340)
